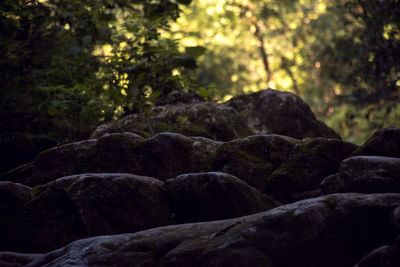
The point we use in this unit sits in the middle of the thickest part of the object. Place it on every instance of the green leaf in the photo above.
(195, 51)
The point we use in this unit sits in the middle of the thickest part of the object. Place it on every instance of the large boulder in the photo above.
(301, 175)
(254, 158)
(365, 174)
(271, 111)
(265, 112)
(85, 205)
(13, 197)
(385, 142)
(205, 119)
(386, 255)
(331, 231)
(210, 196)
(163, 156)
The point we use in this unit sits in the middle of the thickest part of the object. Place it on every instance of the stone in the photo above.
(277, 112)
(13, 259)
(385, 142)
(254, 158)
(86, 205)
(330, 231)
(384, 256)
(301, 175)
(365, 174)
(265, 112)
(13, 197)
(206, 119)
(210, 196)
(163, 156)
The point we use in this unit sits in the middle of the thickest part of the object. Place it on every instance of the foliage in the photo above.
(341, 56)
(67, 65)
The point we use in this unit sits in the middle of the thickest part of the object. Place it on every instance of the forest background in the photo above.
(68, 65)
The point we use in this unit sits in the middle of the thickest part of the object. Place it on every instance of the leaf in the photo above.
(184, 2)
(185, 61)
(195, 51)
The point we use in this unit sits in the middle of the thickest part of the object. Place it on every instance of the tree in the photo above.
(67, 65)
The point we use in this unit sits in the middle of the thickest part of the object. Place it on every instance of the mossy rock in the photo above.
(277, 112)
(254, 158)
(309, 164)
(204, 119)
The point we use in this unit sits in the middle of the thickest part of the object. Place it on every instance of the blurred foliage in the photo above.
(68, 65)
(341, 56)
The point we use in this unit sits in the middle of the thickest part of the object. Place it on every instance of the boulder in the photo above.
(272, 111)
(300, 176)
(330, 231)
(265, 112)
(365, 174)
(210, 196)
(13, 197)
(163, 156)
(385, 142)
(254, 158)
(13, 259)
(85, 205)
(387, 255)
(211, 120)
(384, 256)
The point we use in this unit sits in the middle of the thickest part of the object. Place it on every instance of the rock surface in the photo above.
(365, 174)
(300, 176)
(385, 142)
(211, 120)
(212, 196)
(271, 111)
(335, 230)
(126, 184)
(264, 112)
(254, 158)
(84, 205)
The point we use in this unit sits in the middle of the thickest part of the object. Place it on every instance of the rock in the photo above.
(85, 205)
(211, 120)
(385, 142)
(12, 200)
(385, 256)
(209, 196)
(254, 158)
(335, 230)
(12, 259)
(301, 175)
(264, 112)
(18, 149)
(365, 174)
(271, 111)
(163, 156)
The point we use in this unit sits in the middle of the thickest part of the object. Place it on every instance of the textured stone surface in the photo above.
(335, 230)
(84, 205)
(271, 111)
(254, 158)
(211, 120)
(365, 174)
(385, 142)
(265, 112)
(300, 176)
(212, 196)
